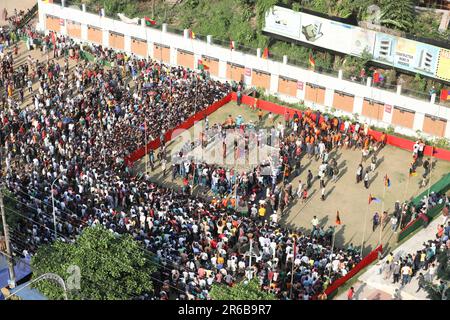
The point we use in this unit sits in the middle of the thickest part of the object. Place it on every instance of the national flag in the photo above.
(149, 22)
(445, 94)
(338, 219)
(231, 45)
(191, 34)
(265, 54)
(374, 199)
(312, 62)
(53, 39)
(387, 181)
(202, 66)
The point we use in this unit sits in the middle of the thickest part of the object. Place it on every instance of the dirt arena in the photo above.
(345, 195)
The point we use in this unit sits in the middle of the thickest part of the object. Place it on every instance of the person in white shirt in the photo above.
(315, 222)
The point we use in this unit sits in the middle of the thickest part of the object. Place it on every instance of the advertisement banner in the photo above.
(416, 56)
(284, 22)
(388, 49)
(384, 48)
(362, 40)
(443, 68)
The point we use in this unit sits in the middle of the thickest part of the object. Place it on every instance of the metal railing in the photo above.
(416, 94)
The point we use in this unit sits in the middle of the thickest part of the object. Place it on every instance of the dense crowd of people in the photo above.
(69, 145)
(422, 264)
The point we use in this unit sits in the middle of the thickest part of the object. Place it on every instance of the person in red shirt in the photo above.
(350, 293)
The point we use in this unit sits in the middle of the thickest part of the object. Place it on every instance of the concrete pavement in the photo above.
(372, 286)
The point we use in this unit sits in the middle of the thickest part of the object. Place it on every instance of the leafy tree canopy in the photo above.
(111, 267)
(244, 290)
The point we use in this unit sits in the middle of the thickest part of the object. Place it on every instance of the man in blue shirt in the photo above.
(239, 121)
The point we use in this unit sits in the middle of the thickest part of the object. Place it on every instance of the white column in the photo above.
(209, 39)
(222, 69)
(358, 105)
(84, 32)
(285, 59)
(164, 27)
(387, 116)
(399, 89)
(340, 74)
(447, 130)
(105, 35)
(274, 83)
(329, 93)
(83, 7)
(369, 82)
(301, 93)
(258, 52)
(419, 118)
(173, 56)
(127, 43)
(433, 98)
(186, 33)
(41, 12)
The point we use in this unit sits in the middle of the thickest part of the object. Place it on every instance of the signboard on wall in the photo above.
(391, 50)
(309, 28)
(443, 66)
(300, 85)
(387, 108)
(248, 72)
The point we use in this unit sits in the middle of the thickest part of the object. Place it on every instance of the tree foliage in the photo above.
(244, 290)
(398, 14)
(111, 267)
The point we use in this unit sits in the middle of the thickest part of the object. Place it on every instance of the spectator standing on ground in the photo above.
(350, 293)
(375, 221)
(366, 179)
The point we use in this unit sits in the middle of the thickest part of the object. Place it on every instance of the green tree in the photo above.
(244, 290)
(440, 292)
(111, 267)
(398, 14)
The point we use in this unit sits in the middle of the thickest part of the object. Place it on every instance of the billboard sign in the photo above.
(388, 49)
(443, 67)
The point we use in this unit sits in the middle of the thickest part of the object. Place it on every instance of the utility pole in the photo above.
(12, 276)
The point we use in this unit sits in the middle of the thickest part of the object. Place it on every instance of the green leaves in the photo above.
(398, 14)
(112, 267)
(245, 290)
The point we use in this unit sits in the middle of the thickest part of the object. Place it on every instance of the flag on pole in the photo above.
(374, 199)
(445, 94)
(149, 22)
(202, 66)
(387, 181)
(265, 54)
(191, 34)
(338, 219)
(53, 39)
(231, 44)
(312, 62)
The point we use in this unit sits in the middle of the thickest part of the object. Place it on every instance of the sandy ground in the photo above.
(345, 195)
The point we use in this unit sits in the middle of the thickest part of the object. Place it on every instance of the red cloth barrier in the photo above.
(391, 140)
(136, 155)
(371, 257)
